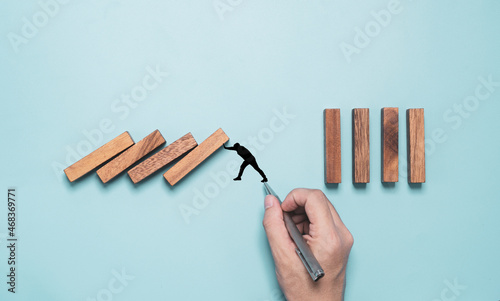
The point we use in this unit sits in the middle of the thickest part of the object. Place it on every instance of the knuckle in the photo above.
(349, 239)
(265, 223)
(317, 196)
(316, 193)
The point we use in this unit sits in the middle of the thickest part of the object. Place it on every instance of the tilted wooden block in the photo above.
(390, 144)
(415, 135)
(332, 146)
(162, 158)
(361, 145)
(99, 156)
(130, 156)
(196, 156)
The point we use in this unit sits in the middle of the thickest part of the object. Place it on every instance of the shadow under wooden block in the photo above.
(361, 145)
(415, 135)
(332, 146)
(99, 156)
(152, 164)
(390, 144)
(195, 157)
(130, 156)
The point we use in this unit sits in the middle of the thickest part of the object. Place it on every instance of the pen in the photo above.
(305, 254)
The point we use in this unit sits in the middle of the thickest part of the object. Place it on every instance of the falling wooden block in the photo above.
(195, 157)
(130, 156)
(361, 145)
(415, 135)
(332, 146)
(162, 158)
(99, 156)
(390, 144)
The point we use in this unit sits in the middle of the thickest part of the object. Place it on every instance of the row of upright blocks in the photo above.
(415, 138)
(121, 153)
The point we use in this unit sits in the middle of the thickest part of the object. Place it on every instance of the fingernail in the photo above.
(268, 202)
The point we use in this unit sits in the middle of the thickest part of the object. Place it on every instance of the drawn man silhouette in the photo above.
(249, 160)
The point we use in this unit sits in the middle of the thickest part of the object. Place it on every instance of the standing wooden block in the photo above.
(99, 156)
(130, 156)
(162, 158)
(361, 145)
(195, 157)
(332, 146)
(390, 144)
(415, 135)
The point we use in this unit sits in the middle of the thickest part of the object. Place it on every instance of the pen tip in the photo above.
(266, 188)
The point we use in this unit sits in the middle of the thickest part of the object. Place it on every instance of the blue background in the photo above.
(235, 69)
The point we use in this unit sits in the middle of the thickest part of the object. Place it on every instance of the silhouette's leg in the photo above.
(256, 167)
(242, 168)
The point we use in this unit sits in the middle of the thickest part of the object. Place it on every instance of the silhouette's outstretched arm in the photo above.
(229, 148)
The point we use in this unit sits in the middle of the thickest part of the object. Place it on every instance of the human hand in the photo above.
(325, 233)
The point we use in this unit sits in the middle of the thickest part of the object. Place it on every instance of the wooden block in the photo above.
(99, 156)
(390, 144)
(130, 156)
(162, 158)
(361, 145)
(332, 146)
(415, 135)
(195, 157)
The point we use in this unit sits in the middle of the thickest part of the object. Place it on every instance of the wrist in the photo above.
(339, 288)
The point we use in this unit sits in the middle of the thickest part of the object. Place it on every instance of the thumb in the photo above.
(277, 235)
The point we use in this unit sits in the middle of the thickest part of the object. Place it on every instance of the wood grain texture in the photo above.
(361, 145)
(415, 135)
(173, 151)
(332, 146)
(196, 156)
(130, 156)
(390, 144)
(99, 156)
